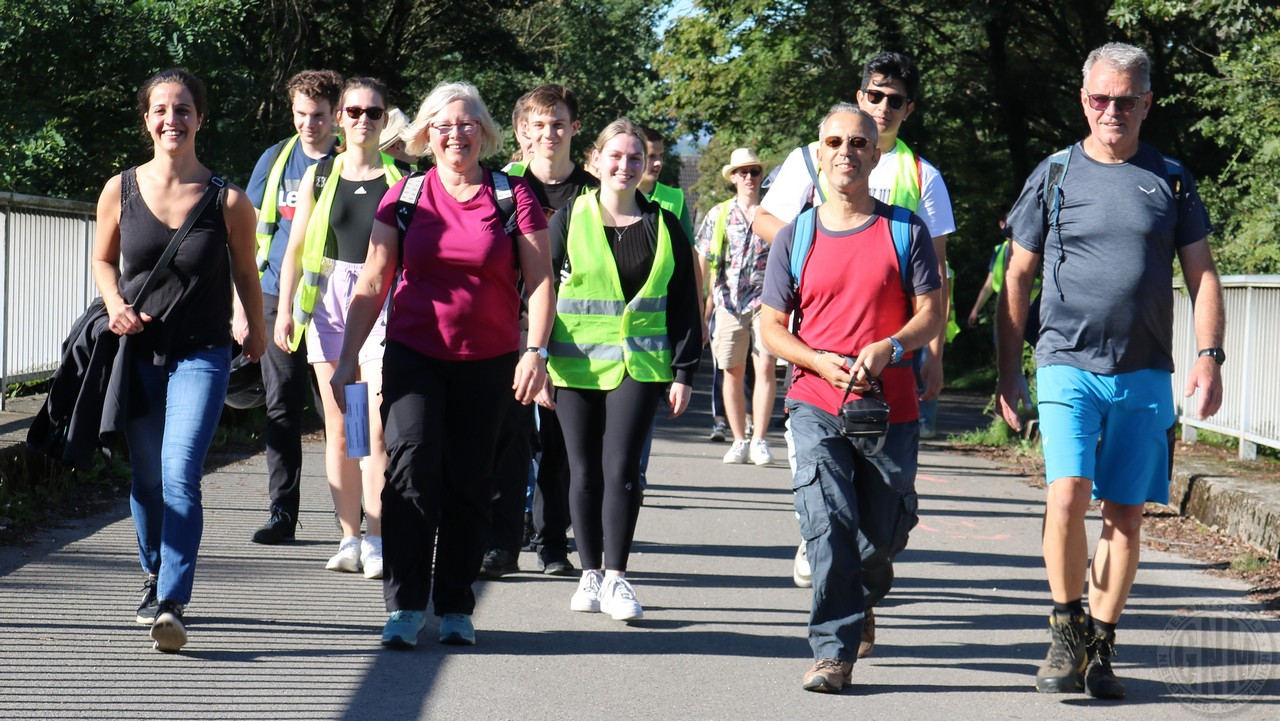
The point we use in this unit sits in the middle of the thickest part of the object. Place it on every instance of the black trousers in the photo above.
(604, 435)
(442, 420)
(287, 381)
(511, 477)
(551, 492)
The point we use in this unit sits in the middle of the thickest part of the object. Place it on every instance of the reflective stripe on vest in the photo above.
(317, 236)
(269, 213)
(671, 199)
(599, 337)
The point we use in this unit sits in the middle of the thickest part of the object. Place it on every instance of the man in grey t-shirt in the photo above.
(1106, 234)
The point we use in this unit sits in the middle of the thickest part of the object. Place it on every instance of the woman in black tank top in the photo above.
(327, 248)
(178, 344)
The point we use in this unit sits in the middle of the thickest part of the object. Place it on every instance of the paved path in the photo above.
(275, 636)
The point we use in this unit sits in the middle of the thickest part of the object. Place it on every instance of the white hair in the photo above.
(1125, 58)
(414, 136)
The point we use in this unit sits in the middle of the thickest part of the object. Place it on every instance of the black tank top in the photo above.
(351, 218)
(190, 303)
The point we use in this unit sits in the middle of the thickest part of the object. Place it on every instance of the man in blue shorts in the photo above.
(1106, 217)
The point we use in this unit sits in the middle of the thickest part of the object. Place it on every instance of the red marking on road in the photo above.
(931, 479)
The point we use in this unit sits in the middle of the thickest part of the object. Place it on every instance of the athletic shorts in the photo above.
(1116, 430)
(734, 336)
(329, 318)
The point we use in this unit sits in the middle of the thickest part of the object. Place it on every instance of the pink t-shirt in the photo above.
(457, 298)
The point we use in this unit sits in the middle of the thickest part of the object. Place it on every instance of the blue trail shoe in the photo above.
(456, 630)
(402, 629)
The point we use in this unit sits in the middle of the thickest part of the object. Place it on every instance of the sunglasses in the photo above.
(835, 142)
(1124, 103)
(753, 172)
(464, 128)
(895, 101)
(354, 112)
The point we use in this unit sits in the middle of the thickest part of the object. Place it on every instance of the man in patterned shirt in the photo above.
(733, 259)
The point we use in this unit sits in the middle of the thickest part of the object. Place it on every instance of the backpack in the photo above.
(805, 227)
(1052, 194)
(407, 204)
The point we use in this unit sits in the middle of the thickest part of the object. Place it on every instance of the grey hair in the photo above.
(855, 110)
(1125, 58)
(414, 136)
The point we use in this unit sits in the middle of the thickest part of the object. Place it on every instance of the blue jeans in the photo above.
(855, 513)
(168, 441)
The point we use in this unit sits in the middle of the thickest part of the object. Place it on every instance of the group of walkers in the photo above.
(465, 297)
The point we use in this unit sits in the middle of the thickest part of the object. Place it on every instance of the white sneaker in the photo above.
(371, 556)
(618, 599)
(801, 573)
(760, 454)
(587, 598)
(738, 452)
(347, 559)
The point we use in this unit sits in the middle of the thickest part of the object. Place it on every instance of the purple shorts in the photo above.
(329, 318)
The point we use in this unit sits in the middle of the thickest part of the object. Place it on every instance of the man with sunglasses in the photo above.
(1105, 218)
(890, 83)
(733, 260)
(859, 316)
(273, 189)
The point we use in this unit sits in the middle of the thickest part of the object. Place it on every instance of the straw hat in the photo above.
(396, 121)
(741, 158)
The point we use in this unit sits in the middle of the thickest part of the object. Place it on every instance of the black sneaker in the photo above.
(150, 604)
(1099, 680)
(168, 632)
(498, 563)
(556, 566)
(279, 529)
(1063, 668)
(527, 533)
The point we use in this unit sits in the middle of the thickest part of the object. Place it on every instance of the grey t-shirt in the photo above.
(1107, 302)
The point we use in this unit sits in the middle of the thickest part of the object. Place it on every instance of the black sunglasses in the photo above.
(835, 142)
(753, 172)
(1124, 103)
(354, 112)
(895, 101)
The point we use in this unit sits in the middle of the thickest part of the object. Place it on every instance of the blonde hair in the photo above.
(621, 126)
(445, 93)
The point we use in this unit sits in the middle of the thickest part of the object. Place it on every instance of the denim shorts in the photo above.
(1115, 430)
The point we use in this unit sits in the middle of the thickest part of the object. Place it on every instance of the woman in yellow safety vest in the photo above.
(627, 334)
(337, 201)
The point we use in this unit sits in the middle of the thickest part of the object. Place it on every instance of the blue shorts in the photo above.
(1115, 430)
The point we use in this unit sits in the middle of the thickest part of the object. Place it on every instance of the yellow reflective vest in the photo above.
(906, 177)
(317, 236)
(599, 337)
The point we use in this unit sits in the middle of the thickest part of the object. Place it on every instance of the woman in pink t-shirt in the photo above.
(453, 349)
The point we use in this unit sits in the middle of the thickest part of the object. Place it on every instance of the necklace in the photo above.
(618, 233)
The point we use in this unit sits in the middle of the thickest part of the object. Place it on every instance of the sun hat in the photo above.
(396, 121)
(740, 158)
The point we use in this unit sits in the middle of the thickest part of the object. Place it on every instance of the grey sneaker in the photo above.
(169, 632)
(150, 605)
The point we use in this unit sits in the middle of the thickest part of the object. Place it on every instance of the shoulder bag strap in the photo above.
(216, 184)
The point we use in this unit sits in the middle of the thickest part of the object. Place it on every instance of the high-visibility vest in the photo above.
(1001, 264)
(317, 236)
(719, 244)
(599, 337)
(269, 213)
(672, 199)
(515, 169)
(906, 176)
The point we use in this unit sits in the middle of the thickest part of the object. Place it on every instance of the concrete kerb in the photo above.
(1214, 494)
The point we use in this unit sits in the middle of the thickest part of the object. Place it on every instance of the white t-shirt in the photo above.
(792, 188)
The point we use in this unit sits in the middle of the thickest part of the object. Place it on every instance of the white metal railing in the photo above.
(45, 281)
(1251, 377)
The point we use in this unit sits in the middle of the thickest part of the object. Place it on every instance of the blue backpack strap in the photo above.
(802, 232)
(813, 173)
(900, 228)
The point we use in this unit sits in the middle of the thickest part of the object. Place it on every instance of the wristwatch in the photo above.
(1218, 355)
(542, 352)
(898, 350)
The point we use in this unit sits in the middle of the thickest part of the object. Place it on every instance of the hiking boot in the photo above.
(801, 572)
(587, 598)
(618, 599)
(828, 675)
(719, 431)
(868, 642)
(347, 559)
(371, 556)
(278, 529)
(738, 452)
(150, 605)
(1099, 680)
(456, 630)
(1063, 668)
(498, 563)
(402, 629)
(168, 632)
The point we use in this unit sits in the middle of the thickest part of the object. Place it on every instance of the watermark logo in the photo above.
(1215, 659)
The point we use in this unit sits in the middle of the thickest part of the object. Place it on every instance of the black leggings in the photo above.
(604, 435)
